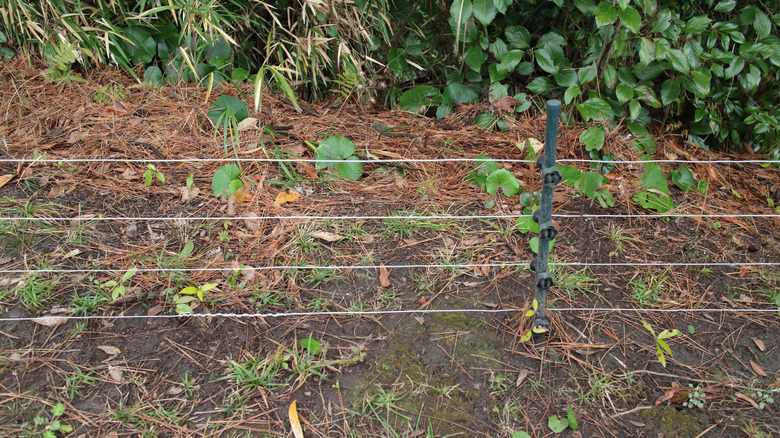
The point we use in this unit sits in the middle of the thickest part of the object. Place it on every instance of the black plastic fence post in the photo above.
(543, 215)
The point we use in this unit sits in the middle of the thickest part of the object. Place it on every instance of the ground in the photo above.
(133, 367)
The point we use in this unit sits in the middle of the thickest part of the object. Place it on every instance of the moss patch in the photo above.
(673, 423)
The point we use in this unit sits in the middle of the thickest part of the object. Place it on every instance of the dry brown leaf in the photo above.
(252, 224)
(188, 193)
(506, 103)
(109, 349)
(384, 276)
(4, 260)
(77, 136)
(536, 145)
(231, 206)
(174, 390)
(156, 310)
(521, 377)
(112, 434)
(420, 320)
(400, 182)
(5, 178)
(50, 321)
(746, 398)
(760, 344)
(116, 108)
(327, 236)
(129, 174)
(757, 369)
(71, 253)
(244, 194)
(288, 196)
(247, 123)
(294, 421)
(116, 375)
(306, 169)
(57, 191)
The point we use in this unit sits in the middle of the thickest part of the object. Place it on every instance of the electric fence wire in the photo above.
(401, 161)
(412, 266)
(54, 319)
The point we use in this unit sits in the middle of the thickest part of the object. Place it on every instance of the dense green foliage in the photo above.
(711, 65)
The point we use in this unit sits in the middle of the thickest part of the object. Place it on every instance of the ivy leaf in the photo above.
(334, 147)
(725, 5)
(610, 76)
(420, 96)
(679, 60)
(222, 183)
(509, 61)
(591, 183)
(634, 108)
(225, 103)
(593, 138)
(605, 14)
(557, 425)
(503, 179)
(631, 19)
(526, 224)
(734, 68)
(647, 94)
(351, 168)
(587, 74)
(683, 179)
(518, 37)
(571, 94)
(459, 93)
(571, 175)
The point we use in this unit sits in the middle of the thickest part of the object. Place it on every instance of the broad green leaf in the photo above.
(591, 182)
(587, 7)
(605, 14)
(610, 76)
(595, 109)
(485, 121)
(334, 147)
(670, 91)
(655, 195)
(697, 25)
(498, 48)
(571, 94)
(220, 182)
(725, 5)
(459, 93)
(572, 419)
(533, 243)
(396, 60)
(663, 22)
(679, 60)
(586, 74)
(234, 185)
(418, 97)
(128, 275)
(223, 103)
(503, 179)
(567, 78)
(647, 94)
(475, 57)
(624, 93)
(683, 179)
(526, 224)
(750, 79)
(734, 68)
(571, 175)
(351, 168)
(540, 85)
(557, 425)
(153, 75)
(484, 11)
(631, 19)
(509, 61)
(518, 37)
(545, 61)
(189, 290)
(660, 354)
(593, 138)
(762, 24)
(646, 51)
(701, 82)
(311, 345)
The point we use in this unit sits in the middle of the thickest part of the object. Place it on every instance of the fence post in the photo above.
(543, 215)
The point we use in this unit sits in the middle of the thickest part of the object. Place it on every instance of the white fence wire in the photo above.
(58, 319)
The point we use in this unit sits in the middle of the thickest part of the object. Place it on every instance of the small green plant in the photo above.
(226, 180)
(190, 294)
(36, 291)
(526, 224)
(655, 190)
(771, 203)
(696, 397)
(558, 425)
(648, 289)
(490, 178)
(529, 314)
(340, 153)
(661, 347)
(683, 179)
(119, 288)
(588, 184)
(108, 94)
(60, 57)
(764, 399)
(53, 425)
(151, 173)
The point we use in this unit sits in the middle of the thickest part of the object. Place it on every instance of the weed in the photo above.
(499, 383)
(51, 426)
(661, 347)
(118, 288)
(190, 294)
(108, 94)
(83, 304)
(696, 398)
(558, 425)
(189, 385)
(265, 300)
(405, 228)
(151, 173)
(424, 283)
(574, 281)
(649, 288)
(618, 236)
(36, 290)
(530, 314)
(76, 380)
(764, 399)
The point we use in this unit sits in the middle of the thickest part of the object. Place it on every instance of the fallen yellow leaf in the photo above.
(294, 422)
(4, 179)
(288, 196)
